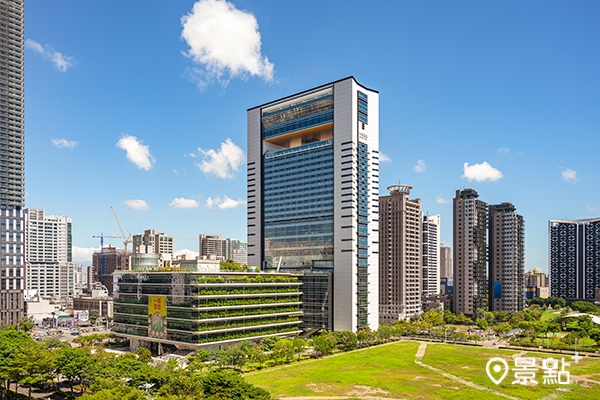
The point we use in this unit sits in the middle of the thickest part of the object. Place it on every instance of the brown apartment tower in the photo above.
(470, 223)
(400, 269)
(507, 258)
(12, 165)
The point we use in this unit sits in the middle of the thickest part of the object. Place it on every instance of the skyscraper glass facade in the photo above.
(298, 212)
(313, 166)
(11, 161)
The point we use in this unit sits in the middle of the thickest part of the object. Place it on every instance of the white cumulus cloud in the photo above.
(441, 200)
(592, 209)
(137, 204)
(223, 162)
(224, 42)
(224, 203)
(420, 166)
(60, 61)
(188, 252)
(83, 255)
(181, 202)
(481, 172)
(569, 175)
(64, 143)
(137, 152)
(384, 157)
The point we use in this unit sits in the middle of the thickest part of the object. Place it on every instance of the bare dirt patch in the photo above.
(362, 391)
(320, 387)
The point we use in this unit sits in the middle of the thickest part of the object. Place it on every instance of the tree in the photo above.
(268, 342)
(557, 301)
(516, 318)
(94, 315)
(220, 385)
(502, 328)
(383, 333)
(533, 313)
(324, 344)
(585, 323)
(459, 335)
(584, 307)
(433, 318)
(482, 323)
(11, 342)
(501, 316)
(463, 319)
(282, 351)
(449, 317)
(299, 345)
(25, 323)
(75, 364)
(489, 317)
(594, 334)
(34, 364)
(231, 265)
(365, 336)
(235, 356)
(144, 355)
(348, 340)
(182, 386)
(257, 355)
(479, 314)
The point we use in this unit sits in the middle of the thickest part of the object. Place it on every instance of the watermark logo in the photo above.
(526, 371)
(497, 369)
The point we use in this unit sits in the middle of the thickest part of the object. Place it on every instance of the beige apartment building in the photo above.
(153, 242)
(507, 258)
(445, 261)
(210, 246)
(400, 269)
(470, 219)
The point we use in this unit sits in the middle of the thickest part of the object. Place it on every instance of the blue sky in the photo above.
(129, 104)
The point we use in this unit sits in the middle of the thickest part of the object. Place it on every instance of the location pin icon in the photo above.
(497, 369)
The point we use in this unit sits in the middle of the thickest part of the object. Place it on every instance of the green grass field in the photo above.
(390, 371)
(549, 315)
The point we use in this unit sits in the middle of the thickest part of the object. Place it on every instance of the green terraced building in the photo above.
(196, 309)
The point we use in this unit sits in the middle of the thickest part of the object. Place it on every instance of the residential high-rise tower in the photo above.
(48, 254)
(313, 183)
(235, 250)
(431, 254)
(506, 258)
(210, 246)
(470, 220)
(400, 255)
(445, 262)
(12, 282)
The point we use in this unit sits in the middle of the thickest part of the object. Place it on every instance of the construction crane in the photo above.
(102, 236)
(126, 239)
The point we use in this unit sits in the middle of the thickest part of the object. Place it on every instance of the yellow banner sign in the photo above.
(157, 317)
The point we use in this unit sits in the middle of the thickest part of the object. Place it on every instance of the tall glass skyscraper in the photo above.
(11, 161)
(313, 184)
(574, 260)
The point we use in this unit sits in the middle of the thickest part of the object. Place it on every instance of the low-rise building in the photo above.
(195, 309)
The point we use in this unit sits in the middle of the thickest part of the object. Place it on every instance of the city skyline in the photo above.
(505, 94)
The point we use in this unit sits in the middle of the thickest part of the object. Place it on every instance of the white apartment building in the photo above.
(235, 250)
(48, 254)
(431, 254)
